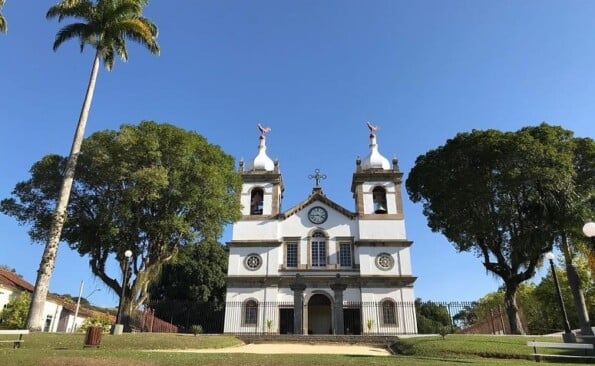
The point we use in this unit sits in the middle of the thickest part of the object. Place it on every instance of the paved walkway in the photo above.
(292, 348)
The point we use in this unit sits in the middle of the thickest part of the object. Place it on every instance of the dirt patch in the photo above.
(292, 348)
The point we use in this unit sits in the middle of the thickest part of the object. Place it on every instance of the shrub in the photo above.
(97, 320)
(196, 329)
(14, 315)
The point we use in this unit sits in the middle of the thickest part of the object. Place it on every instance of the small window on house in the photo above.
(379, 198)
(389, 312)
(291, 259)
(256, 201)
(345, 255)
(250, 312)
(48, 323)
(318, 246)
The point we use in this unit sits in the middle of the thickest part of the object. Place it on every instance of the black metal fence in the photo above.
(359, 318)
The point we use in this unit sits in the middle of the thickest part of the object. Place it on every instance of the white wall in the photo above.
(5, 295)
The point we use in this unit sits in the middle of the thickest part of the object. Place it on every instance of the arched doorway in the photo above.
(319, 315)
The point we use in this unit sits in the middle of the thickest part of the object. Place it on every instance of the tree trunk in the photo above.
(512, 310)
(48, 260)
(574, 282)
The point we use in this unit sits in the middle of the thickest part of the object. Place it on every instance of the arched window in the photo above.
(379, 197)
(250, 312)
(318, 249)
(389, 312)
(256, 201)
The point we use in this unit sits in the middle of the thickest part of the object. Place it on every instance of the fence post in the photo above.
(501, 320)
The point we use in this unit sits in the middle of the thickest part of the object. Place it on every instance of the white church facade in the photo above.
(319, 268)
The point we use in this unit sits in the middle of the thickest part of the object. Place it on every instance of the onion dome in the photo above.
(374, 160)
(262, 161)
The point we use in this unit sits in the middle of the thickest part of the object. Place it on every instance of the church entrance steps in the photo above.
(320, 339)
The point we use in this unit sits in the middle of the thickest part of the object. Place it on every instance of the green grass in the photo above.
(59, 349)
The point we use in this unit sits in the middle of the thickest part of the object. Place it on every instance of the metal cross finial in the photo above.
(317, 176)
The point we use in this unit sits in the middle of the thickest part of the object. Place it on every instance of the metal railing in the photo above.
(359, 318)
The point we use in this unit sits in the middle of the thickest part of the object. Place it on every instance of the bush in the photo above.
(97, 320)
(14, 315)
(196, 329)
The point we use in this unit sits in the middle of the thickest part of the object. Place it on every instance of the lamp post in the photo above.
(118, 327)
(568, 336)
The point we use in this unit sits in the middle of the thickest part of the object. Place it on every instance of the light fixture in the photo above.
(589, 229)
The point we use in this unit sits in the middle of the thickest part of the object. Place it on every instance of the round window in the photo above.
(384, 261)
(253, 262)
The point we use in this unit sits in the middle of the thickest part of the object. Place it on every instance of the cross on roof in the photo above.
(317, 176)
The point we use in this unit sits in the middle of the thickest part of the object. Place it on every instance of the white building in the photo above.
(58, 314)
(319, 268)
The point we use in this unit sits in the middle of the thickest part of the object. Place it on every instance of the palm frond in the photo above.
(82, 9)
(107, 55)
(70, 31)
(3, 25)
(141, 32)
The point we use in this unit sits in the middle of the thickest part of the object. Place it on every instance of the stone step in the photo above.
(318, 339)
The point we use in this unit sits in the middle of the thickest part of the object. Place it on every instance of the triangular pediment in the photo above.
(318, 196)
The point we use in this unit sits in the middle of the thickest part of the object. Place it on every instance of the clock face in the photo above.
(317, 215)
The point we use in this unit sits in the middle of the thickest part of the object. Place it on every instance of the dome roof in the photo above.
(262, 161)
(375, 160)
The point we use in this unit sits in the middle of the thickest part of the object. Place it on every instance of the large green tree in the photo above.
(198, 274)
(499, 195)
(150, 188)
(3, 25)
(104, 25)
(580, 208)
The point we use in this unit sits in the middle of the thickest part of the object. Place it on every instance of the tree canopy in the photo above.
(197, 274)
(500, 195)
(150, 188)
(107, 24)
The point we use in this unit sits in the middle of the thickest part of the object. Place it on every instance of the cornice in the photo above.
(254, 243)
(317, 281)
(383, 243)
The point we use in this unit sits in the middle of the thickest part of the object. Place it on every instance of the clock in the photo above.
(317, 215)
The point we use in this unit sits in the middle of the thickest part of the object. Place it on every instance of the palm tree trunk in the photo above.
(48, 260)
(574, 282)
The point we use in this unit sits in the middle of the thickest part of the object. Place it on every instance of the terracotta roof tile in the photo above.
(13, 280)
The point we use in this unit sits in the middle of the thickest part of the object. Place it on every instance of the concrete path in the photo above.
(292, 348)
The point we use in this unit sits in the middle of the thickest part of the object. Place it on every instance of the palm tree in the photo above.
(106, 27)
(3, 25)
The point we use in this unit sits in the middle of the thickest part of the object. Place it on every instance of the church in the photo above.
(320, 268)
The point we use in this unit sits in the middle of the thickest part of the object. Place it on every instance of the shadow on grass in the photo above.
(435, 359)
(90, 361)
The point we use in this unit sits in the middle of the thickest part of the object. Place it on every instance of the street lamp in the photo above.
(119, 327)
(568, 336)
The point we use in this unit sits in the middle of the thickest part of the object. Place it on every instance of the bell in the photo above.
(379, 208)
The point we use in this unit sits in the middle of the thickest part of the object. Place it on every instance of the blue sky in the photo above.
(314, 71)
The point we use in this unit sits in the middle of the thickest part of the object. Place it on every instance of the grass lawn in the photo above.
(60, 349)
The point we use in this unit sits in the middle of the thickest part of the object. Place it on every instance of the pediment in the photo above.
(318, 196)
